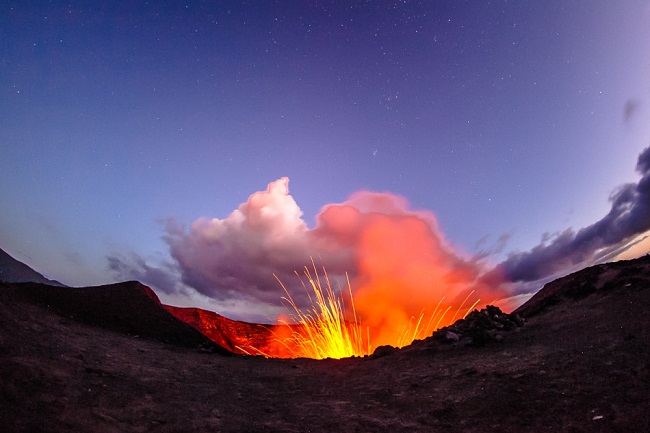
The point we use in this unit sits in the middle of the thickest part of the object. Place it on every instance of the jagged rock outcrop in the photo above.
(480, 327)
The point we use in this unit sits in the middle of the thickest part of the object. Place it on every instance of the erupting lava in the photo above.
(323, 331)
(327, 329)
(405, 281)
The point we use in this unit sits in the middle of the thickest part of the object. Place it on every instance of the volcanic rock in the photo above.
(236, 336)
(611, 278)
(480, 327)
(130, 308)
(451, 336)
(383, 351)
(580, 364)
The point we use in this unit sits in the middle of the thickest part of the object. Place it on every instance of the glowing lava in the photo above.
(322, 330)
(406, 281)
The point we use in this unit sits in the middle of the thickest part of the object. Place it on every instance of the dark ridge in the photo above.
(14, 271)
(129, 308)
(598, 279)
(578, 366)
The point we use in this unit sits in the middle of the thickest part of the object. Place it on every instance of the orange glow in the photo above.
(408, 283)
(322, 331)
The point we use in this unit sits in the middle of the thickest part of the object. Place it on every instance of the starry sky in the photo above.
(123, 123)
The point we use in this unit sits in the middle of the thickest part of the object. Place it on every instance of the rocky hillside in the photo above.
(112, 359)
(600, 280)
(236, 336)
(129, 308)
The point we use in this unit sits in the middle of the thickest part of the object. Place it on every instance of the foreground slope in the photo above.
(579, 364)
(129, 308)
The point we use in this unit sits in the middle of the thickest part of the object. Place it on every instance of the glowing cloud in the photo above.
(398, 261)
(403, 266)
(237, 256)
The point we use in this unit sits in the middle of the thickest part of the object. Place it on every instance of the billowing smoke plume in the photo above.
(396, 258)
(238, 255)
(628, 217)
(136, 268)
(404, 267)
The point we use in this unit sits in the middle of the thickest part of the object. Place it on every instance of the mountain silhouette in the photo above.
(14, 271)
(574, 358)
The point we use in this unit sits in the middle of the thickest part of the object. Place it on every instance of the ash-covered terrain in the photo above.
(111, 359)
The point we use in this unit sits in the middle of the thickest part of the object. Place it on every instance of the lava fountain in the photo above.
(330, 328)
(322, 330)
(405, 281)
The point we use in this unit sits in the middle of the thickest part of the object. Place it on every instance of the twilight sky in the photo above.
(132, 136)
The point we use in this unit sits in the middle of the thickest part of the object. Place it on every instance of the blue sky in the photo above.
(501, 118)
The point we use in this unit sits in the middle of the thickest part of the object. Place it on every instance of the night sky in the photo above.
(515, 123)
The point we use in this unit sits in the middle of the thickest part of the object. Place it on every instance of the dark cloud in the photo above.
(136, 268)
(630, 109)
(486, 248)
(629, 216)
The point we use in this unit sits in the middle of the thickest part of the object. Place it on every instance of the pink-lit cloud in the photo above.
(374, 237)
(238, 255)
(395, 256)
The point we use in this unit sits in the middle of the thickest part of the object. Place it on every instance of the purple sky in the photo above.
(507, 120)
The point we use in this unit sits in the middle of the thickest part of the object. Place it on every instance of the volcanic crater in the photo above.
(574, 358)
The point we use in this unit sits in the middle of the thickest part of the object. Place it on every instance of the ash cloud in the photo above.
(629, 216)
(238, 256)
(136, 268)
(379, 242)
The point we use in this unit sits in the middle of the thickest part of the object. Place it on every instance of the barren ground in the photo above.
(580, 364)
